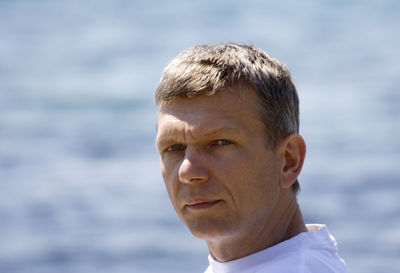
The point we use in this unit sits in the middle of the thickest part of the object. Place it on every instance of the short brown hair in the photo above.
(203, 70)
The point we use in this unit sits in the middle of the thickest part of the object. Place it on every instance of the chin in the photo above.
(208, 229)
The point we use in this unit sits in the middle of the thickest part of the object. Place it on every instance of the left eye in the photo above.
(223, 142)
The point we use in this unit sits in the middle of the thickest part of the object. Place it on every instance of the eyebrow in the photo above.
(166, 139)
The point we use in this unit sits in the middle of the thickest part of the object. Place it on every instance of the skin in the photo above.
(225, 183)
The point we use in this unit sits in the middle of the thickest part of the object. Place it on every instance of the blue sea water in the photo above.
(80, 188)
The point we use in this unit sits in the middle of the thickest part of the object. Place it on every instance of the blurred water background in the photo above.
(80, 189)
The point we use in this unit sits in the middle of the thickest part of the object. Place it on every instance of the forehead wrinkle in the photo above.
(193, 130)
(174, 130)
(202, 115)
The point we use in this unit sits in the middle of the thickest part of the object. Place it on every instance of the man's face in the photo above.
(221, 177)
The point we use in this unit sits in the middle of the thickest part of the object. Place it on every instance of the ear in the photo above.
(293, 151)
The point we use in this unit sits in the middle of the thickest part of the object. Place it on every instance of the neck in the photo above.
(284, 223)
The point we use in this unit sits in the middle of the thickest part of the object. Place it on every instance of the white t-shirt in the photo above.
(309, 252)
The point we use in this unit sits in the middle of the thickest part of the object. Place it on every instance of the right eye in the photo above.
(175, 148)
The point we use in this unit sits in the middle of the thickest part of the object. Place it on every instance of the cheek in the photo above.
(170, 177)
(251, 180)
(234, 173)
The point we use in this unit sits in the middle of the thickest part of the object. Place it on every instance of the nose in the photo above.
(192, 169)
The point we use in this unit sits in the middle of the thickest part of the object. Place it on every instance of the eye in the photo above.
(223, 142)
(175, 148)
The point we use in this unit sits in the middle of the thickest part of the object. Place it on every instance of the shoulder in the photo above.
(305, 261)
(310, 252)
(319, 253)
(322, 261)
(209, 270)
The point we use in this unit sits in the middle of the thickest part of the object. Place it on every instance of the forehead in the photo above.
(228, 108)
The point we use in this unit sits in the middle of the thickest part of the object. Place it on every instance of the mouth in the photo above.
(201, 204)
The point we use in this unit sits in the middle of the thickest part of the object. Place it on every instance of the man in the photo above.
(227, 134)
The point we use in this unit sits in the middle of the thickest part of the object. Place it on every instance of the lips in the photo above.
(201, 204)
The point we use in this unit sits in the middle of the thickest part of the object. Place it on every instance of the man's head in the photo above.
(230, 152)
(205, 70)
